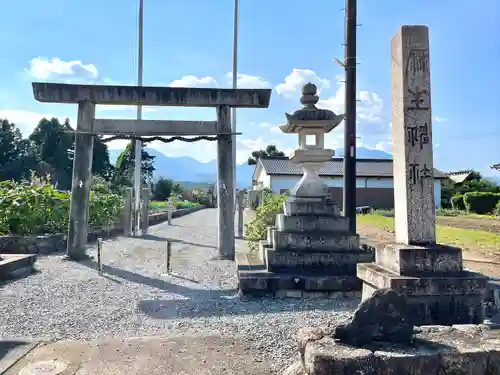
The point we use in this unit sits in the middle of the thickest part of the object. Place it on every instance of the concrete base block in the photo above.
(16, 265)
(467, 350)
(257, 283)
(407, 260)
(333, 263)
(436, 300)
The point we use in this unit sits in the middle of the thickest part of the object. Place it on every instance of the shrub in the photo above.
(481, 202)
(265, 216)
(36, 207)
(457, 202)
(497, 209)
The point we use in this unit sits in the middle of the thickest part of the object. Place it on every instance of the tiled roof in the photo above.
(364, 167)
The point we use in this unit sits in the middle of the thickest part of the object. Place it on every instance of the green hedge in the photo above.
(481, 202)
(457, 202)
(497, 209)
(265, 216)
(36, 207)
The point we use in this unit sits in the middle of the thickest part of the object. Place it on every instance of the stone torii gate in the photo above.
(87, 96)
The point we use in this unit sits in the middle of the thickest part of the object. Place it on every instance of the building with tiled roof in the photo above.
(374, 180)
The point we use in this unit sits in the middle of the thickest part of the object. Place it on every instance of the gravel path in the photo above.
(136, 298)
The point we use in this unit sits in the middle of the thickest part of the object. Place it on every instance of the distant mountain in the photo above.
(191, 172)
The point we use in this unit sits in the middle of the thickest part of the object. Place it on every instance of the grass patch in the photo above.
(443, 212)
(158, 206)
(466, 238)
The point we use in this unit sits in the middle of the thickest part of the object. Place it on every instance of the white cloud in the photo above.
(440, 119)
(369, 108)
(297, 78)
(57, 69)
(246, 81)
(193, 81)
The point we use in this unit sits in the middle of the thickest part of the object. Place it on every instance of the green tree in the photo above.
(52, 143)
(124, 170)
(10, 137)
(270, 150)
(162, 189)
(100, 159)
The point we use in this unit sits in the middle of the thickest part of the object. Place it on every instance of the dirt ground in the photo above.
(464, 222)
(480, 260)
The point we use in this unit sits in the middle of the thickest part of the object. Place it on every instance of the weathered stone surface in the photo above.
(307, 223)
(334, 263)
(326, 357)
(407, 260)
(433, 300)
(323, 208)
(385, 316)
(314, 241)
(259, 283)
(437, 350)
(467, 283)
(415, 222)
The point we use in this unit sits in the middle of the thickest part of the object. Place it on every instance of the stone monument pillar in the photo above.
(430, 275)
(310, 251)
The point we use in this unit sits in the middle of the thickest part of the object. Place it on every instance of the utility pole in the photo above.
(137, 143)
(235, 84)
(349, 196)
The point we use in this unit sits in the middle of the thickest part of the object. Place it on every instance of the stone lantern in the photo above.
(311, 124)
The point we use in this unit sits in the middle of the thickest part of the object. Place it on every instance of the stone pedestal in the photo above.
(432, 278)
(309, 253)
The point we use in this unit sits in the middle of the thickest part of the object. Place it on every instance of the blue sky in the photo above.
(282, 45)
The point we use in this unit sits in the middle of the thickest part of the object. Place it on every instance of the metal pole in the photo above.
(235, 83)
(349, 197)
(137, 143)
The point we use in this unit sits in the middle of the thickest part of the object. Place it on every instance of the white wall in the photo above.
(264, 178)
(278, 183)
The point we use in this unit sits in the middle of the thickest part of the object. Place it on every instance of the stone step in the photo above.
(323, 208)
(261, 283)
(263, 245)
(305, 223)
(315, 241)
(333, 263)
(249, 262)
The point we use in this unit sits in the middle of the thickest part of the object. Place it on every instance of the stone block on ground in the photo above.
(385, 316)
(436, 350)
(443, 300)
(16, 265)
(259, 283)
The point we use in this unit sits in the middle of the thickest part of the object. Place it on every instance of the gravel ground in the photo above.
(136, 297)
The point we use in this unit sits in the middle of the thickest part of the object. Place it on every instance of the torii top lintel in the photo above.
(151, 95)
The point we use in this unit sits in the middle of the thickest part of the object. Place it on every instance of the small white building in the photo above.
(374, 182)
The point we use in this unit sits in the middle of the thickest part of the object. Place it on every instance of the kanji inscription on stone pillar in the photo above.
(415, 210)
